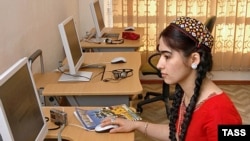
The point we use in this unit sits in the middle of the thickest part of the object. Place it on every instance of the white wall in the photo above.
(85, 17)
(27, 25)
(86, 21)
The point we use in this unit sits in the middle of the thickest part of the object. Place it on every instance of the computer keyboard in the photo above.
(111, 35)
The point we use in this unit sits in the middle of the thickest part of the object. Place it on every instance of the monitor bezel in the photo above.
(5, 130)
(73, 68)
(93, 9)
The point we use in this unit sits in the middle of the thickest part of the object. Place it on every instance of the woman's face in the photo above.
(173, 65)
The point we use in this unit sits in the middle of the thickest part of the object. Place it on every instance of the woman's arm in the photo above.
(157, 131)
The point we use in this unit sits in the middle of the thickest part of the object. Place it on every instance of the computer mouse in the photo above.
(129, 28)
(100, 129)
(117, 60)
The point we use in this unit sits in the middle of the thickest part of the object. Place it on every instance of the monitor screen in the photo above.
(71, 45)
(21, 117)
(97, 16)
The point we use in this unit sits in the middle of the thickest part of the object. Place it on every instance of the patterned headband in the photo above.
(195, 30)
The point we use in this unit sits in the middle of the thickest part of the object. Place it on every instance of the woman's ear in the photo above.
(195, 60)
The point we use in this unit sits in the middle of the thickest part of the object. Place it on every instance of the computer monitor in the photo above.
(21, 117)
(73, 51)
(97, 17)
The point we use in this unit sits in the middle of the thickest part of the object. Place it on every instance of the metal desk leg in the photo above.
(72, 101)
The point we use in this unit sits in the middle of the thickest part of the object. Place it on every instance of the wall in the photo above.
(85, 17)
(86, 21)
(27, 25)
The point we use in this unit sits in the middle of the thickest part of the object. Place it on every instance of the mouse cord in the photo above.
(59, 137)
(80, 126)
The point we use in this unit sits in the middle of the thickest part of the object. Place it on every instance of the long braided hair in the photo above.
(177, 38)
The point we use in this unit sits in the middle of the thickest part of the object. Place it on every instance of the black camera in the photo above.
(58, 117)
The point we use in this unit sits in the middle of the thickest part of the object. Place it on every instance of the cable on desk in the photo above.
(95, 65)
(58, 127)
(46, 119)
(79, 126)
(112, 80)
(104, 69)
(90, 41)
(59, 137)
(58, 124)
(71, 74)
(97, 74)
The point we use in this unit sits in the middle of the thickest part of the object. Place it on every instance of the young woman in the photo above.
(199, 106)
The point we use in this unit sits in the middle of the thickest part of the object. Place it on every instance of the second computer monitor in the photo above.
(71, 44)
(73, 51)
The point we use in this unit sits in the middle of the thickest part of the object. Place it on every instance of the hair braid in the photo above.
(174, 111)
(202, 69)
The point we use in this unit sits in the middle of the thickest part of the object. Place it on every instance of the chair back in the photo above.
(153, 60)
(33, 57)
(210, 23)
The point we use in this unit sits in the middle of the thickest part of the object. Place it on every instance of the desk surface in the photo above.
(127, 43)
(128, 86)
(74, 133)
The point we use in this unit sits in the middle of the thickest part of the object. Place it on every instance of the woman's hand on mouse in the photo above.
(124, 125)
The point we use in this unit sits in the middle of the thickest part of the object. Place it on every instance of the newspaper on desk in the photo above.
(91, 118)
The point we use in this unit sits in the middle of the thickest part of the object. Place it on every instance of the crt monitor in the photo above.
(97, 16)
(73, 51)
(21, 117)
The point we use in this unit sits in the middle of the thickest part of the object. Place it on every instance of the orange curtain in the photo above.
(232, 28)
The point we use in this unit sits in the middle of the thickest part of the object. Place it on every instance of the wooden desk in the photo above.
(74, 133)
(96, 92)
(128, 45)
